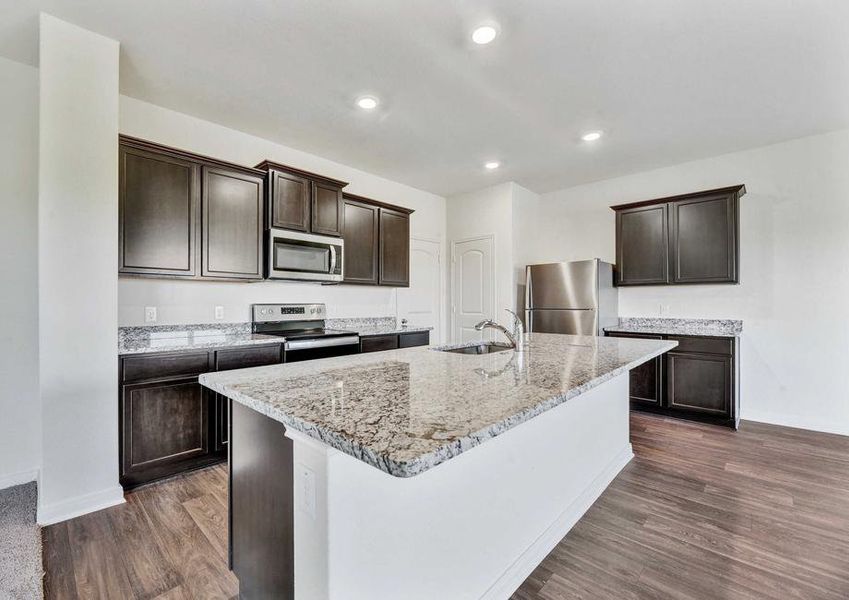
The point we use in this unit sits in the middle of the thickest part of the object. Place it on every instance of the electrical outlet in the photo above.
(219, 312)
(307, 495)
(150, 314)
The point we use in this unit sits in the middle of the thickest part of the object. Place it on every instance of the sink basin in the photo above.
(481, 348)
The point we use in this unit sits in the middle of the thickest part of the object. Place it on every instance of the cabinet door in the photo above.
(646, 380)
(418, 338)
(165, 429)
(703, 233)
(699, 383)
(158, 202)
(327, 210)
(361, 242)
(290, 201)
(377, 343)
(222, 423)
(642, 245)
(394, 258)
(232, 224)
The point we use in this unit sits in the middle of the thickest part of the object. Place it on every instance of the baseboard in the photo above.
(796, 422)
(80, 505)
(524, 565)
(14, 479)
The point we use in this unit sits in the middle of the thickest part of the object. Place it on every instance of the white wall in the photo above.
(194, 302)
(20, 423)
(77, 279)
(488, 212)
(794, 269)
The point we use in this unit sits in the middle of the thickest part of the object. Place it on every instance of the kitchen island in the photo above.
(419, 473)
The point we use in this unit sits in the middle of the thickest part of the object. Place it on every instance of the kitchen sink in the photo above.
(481, 348)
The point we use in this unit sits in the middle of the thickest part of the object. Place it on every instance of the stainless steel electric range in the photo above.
(302, 328)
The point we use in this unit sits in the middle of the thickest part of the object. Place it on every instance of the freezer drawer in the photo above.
(575, 322)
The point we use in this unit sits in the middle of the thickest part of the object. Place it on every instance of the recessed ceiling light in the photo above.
(591, 136)
(367, 102)
(492, 165)
(484, 34)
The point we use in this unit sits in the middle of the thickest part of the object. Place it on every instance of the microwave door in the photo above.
(296, 256)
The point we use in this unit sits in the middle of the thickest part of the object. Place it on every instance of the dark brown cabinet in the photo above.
(361, 242)
(392, 341)
(686, 239)
(168, 422)
(232, 211)
(327, 210)
(642, 250)
(188, 216)
(302, 201)
(377, 242)
(158, 207)
(289, 204)
(394, 256)
(646, 381)
(695, 380)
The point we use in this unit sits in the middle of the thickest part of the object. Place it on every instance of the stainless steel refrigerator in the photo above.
(571, 297)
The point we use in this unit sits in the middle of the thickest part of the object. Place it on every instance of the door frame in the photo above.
(490, 237)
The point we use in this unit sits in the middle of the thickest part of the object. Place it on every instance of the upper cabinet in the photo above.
(187, 216)
(692, 238)
(232, 210)
(158, 208)
(303, 201)
(377, 242)
(394, 247)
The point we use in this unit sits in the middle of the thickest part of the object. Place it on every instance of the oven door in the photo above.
(308, 349)
(303, 256)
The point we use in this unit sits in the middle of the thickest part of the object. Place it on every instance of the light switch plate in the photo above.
(150, 314)
(219, 312)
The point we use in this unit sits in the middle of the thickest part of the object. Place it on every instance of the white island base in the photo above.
(472, 527)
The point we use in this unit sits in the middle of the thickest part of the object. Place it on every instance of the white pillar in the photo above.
(77, 280)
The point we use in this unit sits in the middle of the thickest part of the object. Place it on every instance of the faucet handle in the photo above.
(518, 326)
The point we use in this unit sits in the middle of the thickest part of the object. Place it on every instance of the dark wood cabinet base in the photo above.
(262, 521)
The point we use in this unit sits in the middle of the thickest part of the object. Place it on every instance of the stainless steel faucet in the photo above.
(514, 337)
(518, 328)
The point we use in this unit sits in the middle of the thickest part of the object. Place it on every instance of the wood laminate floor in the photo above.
(702, 512)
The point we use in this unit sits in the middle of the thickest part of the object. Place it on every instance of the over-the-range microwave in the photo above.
(303, 256)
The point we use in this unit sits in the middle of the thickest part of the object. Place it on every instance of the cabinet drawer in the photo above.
(162, 366)
(704, 345)
(419, 338)
(378, 342)
(242, 358)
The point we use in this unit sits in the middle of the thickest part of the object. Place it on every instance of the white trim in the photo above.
(796, 422)
(494, 275)
(80, 505)
(524, 565)
(13, 479)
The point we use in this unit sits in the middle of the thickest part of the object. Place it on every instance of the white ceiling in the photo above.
(667, 80)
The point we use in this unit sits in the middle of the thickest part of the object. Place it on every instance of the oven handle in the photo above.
(321, 343)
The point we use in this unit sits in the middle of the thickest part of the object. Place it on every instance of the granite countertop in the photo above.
(407, 411)
(171, 338)
(669, 326)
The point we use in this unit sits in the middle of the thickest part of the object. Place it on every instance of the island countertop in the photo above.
(406, 411)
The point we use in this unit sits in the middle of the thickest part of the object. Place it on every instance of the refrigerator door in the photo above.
(575, 322)
(562, 285)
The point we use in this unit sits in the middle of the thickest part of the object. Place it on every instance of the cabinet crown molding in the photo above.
(268, 165)
(737, 190)
(141, 144)
(377, 203)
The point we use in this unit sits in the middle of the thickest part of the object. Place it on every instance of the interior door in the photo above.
(421, 303)
(472, 286)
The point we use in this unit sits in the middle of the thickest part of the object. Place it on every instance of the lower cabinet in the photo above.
(165, 429)
(169, 423)
(378, 343)
(696, 380)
